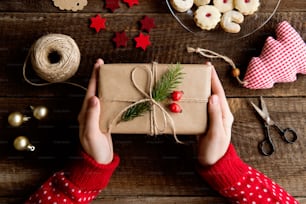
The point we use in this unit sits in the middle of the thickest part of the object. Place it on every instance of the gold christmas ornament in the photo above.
(16, 119)
(39, 112)
(22, 143)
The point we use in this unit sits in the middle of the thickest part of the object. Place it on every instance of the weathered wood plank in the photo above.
(167, 200)
(150, 166)
(20, 30)
(152, 170)
(159, 199)
(145, 6)
(146, 199)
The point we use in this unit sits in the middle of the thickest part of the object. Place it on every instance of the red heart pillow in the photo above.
(280, 60)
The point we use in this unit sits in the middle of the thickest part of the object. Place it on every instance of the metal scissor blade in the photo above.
(259, 111)
(264, 107)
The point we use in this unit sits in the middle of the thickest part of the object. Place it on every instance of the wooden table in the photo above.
(152, 170)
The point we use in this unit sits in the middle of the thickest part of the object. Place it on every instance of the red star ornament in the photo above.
(142, 41)
(112, 4)
(120, 39)
(131, 2)
(97, 23)
(147, 24)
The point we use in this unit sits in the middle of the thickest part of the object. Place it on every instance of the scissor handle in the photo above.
(288, 134)
(266, 147)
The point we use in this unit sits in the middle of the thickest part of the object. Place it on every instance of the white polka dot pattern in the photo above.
(85, 181)
(240, 183)
(256, 188)
(60, 190)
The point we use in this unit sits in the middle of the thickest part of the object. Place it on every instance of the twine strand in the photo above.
(60, 71)
(211, 54)
(154, 129)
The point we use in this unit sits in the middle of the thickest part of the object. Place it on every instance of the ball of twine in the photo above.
(55, 57)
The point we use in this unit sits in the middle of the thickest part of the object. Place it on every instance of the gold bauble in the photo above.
(16, 119)
(40, 112)
(22, 143)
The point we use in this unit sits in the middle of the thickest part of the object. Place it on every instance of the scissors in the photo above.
(266, 146)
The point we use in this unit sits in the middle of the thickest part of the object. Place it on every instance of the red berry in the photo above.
(177, 95)
(175, 108)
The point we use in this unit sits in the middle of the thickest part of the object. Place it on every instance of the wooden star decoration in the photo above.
(120, 39)
(97, 23)
(142, 41)
(131, 2)
(147, 24)
(112, 4)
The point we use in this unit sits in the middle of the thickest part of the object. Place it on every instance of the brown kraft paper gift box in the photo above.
(117, 91)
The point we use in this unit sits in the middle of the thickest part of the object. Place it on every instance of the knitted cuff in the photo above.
(87, 174)
(227, 171)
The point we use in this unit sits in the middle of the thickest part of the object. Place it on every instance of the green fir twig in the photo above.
(161, 91)
(168, 83)
(136, 111)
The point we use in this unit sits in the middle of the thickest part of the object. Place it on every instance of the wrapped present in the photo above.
(126, 87)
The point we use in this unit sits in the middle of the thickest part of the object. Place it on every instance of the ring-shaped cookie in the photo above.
(247, 7)
(224, 5)
(230, 21)
(207, 17)
(201, 2)
(181, 5)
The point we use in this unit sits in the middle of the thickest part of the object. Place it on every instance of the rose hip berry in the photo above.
(175, 108)
(177, 95)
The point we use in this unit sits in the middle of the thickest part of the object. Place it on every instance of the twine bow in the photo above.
(166, 117)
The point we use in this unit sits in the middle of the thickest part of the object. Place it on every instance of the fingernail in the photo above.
(99, 61)
(214, 99)
(93, 101)
(208, 63)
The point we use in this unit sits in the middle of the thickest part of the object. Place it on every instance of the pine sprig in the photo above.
(161, 91)
(136, 111)
(168, 83)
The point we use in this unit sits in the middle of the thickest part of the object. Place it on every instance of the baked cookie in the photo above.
(201, 2)
(224, 5)
(247, 7)
(70, 5)
(207, 17)
(230, 21)
(181, 5)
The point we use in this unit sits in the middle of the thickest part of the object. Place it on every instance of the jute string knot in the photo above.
(155, 129)
(65, 64)
(211, 54)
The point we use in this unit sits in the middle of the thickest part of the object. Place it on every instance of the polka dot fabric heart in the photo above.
(280, 60)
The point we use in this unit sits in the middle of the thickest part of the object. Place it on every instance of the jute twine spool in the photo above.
(55, 58)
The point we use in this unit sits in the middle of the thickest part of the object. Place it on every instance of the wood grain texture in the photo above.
(145, 6)
(169, 43)
(152, 169)
(159, 167)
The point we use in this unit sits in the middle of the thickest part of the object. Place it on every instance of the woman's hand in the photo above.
(214, 143)
(95, 143)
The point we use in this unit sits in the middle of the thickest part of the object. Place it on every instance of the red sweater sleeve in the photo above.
(80, 183)
(240, 183)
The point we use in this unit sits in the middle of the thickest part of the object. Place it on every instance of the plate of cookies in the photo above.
(228, 18)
